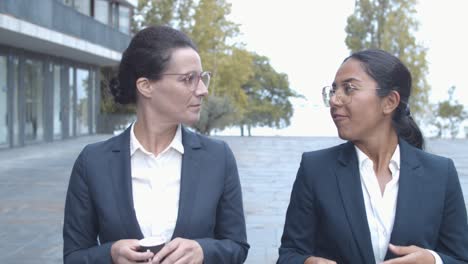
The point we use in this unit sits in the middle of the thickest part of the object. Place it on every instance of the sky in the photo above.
(305, 40)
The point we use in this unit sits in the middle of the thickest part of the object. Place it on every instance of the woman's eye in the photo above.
(189, 78)
(348, 88)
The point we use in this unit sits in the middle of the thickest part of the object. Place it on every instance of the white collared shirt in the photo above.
(156, 185)
(381, 208)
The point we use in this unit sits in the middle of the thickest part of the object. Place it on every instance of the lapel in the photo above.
(409, 200)
(122, 184)
(349, 185)
(189, 180)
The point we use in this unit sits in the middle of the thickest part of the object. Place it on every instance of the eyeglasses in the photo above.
(192, 79)
(344, 95)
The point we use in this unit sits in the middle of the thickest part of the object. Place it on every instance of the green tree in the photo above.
(450, 114)
(217, 113)
(205, 21)
(390, 25)
(268, 95)
(175, 13)
(231, 64)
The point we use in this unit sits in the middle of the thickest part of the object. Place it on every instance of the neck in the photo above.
(379, 148)
(153, 133)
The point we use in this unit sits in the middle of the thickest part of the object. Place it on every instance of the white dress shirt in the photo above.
(156, 186)
(381, 208)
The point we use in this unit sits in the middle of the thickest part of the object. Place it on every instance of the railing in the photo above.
(56, 16)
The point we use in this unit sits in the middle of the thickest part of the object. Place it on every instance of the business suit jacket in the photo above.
(99, 201)
(326, 216)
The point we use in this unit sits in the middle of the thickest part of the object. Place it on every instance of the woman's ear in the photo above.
(391, 102)
(144, 86)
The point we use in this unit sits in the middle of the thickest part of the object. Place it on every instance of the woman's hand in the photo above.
(126, 251)
(317, 260)
(410, 255)
(180, 251)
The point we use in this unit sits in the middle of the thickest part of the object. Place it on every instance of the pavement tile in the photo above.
(33, 187)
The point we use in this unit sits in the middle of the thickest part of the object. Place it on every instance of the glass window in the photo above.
(16, 118)
(83, 6)
(82, 101)
(93, 101)
(71, 105)
(101, 11)
(124, 19)
(33, 82)
(3, 102)
(68, 2)
(57, 103)
(114, 15)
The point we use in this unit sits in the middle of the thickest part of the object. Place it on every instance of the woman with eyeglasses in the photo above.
(379, 198)
(157, 180)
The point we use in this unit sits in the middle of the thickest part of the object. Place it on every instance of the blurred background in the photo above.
(270, 60)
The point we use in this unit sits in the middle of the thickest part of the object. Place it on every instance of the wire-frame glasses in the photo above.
(192, 79)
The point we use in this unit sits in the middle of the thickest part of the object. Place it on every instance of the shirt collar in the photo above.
(394, 161)
(176, 142)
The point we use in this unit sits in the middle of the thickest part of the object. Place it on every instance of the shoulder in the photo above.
(212, 143)
(210, 151)
(320, 164)
(327, 154)
(101, 149)
(102, 146)
(436, 167)
(206, 143)
(433, 168)
(426, 159)
(431, 158)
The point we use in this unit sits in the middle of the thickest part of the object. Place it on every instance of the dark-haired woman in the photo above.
(379, 197)
(157, 179)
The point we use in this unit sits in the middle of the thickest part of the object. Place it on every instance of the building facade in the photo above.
(51, 55)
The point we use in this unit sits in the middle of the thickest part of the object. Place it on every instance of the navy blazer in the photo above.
(326, 216)
(99, 205)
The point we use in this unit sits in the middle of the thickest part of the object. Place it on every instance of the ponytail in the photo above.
(407, 128)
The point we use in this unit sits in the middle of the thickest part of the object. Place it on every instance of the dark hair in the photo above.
(392, 75)
(146, 56)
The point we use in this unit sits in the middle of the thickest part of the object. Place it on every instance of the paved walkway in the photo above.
(268, 166)
(33, 182)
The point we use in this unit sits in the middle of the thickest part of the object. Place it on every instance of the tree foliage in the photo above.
(206, 23)
(230, 63)
(175, 13)
(268, 95)
(450, 114)
(232, 66)
(217, 113)
(390, 25)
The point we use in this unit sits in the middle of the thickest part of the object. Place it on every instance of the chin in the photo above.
(191, 120)
(343, 135)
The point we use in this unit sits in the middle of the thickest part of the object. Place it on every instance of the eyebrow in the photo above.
(351, 79)
(188, 72)
(181, 75)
